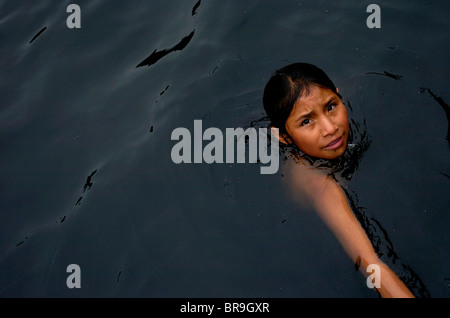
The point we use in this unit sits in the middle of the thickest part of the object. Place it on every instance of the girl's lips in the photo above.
(335, 144)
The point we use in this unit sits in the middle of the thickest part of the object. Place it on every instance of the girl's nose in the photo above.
(328, 127)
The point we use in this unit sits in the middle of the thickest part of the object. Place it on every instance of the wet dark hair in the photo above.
(287, 85)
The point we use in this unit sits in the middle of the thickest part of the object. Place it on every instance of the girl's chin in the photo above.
(338, 153)
(330, 154)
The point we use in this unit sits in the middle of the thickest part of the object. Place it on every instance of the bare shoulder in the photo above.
(303, 181)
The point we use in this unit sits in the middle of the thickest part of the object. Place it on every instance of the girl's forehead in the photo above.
(316, 96)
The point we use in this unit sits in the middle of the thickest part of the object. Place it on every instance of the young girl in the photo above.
(306, 112)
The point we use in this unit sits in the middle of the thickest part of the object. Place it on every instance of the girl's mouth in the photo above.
(335, 144)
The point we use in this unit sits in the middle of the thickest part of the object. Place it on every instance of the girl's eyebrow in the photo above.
(328, 102)
(305, 115)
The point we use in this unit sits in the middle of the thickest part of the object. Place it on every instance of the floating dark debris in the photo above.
(394, 76)
(37, 34)
(88, 183)
(194, 9)
(157, 55)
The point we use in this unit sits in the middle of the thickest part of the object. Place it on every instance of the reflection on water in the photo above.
(385, 249)
(86, 174)
(444, 106)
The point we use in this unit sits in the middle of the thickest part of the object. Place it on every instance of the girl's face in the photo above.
(318, 124)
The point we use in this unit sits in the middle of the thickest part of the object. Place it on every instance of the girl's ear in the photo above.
(276, 132)
(337, 90)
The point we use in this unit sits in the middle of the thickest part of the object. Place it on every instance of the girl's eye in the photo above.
(331, 107)
(306, 122)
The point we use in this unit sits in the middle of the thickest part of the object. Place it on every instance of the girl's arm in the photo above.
(331, 204)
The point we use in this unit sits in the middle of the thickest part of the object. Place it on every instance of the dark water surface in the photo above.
(86, 175)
